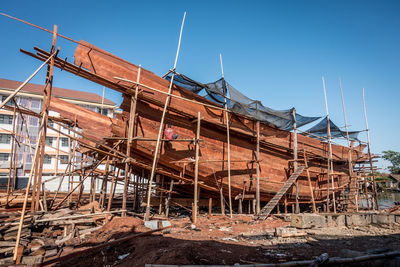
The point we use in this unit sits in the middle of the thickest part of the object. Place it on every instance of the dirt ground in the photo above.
(220, 240)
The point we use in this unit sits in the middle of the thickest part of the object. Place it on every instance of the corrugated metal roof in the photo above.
(57, 92)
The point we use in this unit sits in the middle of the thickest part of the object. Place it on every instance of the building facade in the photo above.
(26, 129)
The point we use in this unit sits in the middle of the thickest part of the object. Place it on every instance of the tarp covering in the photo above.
(321, 129)
(221, 91)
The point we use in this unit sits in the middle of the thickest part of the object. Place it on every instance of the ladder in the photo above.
(266, 210)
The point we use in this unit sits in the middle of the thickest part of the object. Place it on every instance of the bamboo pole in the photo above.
(228, 139)
(168, 200)
(329, 153)
(27, 80)
(167, 100)
(130, 136)
(309, 182)
(12, 152)
(348, 144)
(45, 112)
(258, 198)
(21, 221)
(196, 171)
(370, 155)
(295, 157)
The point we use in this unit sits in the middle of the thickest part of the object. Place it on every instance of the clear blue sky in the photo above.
(274, 51)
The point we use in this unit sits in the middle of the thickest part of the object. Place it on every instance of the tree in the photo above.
(394, 158)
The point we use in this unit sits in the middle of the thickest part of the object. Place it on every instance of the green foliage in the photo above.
(394, 158)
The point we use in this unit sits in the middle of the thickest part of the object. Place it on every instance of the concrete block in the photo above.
(358, 219)
(304, 221)
(383, 218)
(341, 220)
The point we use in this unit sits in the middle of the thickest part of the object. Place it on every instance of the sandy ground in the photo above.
(219, 240)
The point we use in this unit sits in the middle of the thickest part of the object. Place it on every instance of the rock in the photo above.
(304, 221)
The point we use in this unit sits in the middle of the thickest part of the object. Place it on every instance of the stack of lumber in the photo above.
(45, 234)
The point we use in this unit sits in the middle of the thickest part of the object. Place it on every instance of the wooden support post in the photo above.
(21, 221)
(366, 188)
(330, 164)
(161, 195)
(309, 182)
(228, 139)
(210, 206)
(160, 130)
(13, 136)
(196, 171)
(370, 156)
(45, 112)
(131, 127)
(222, 201)
(258, 206)
(103, 191)
(295, 157)
(229, 158)
(240, 208)
(352, 179)
(111, 194)
(168, 200)
(285, 203)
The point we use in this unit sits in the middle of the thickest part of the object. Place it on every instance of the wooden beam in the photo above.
(160, 130)
(196, 171)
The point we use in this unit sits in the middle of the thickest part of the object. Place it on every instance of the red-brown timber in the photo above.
(276, 146)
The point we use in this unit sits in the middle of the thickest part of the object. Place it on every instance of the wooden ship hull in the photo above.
(176, 159)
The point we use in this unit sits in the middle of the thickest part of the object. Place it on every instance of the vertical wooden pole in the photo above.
(45, 112)
(168, 201)
(210, 206)
(285, 203)
(370, 156)
(196, 171)
(161, 195)
(228, 139)
(21, 221)
(160, 130)
(222, 200)
(295, 157)
(111, 194)
(258, 198)
(103, 191)
(309, 182)
(131, 127)
(366, 188)
(13, 136)
(330, 164)
(353, 180)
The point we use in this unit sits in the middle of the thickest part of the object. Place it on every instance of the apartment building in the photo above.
(57, 146)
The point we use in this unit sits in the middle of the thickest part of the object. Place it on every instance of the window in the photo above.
(6, 119)
(64, 141)
(50, 123)
(35, 103)
(63, 159)
(103, 111)
(49, 140)
(9, 103)
(33, 121)
(5, 138)
(46, 159)
(4, 156)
